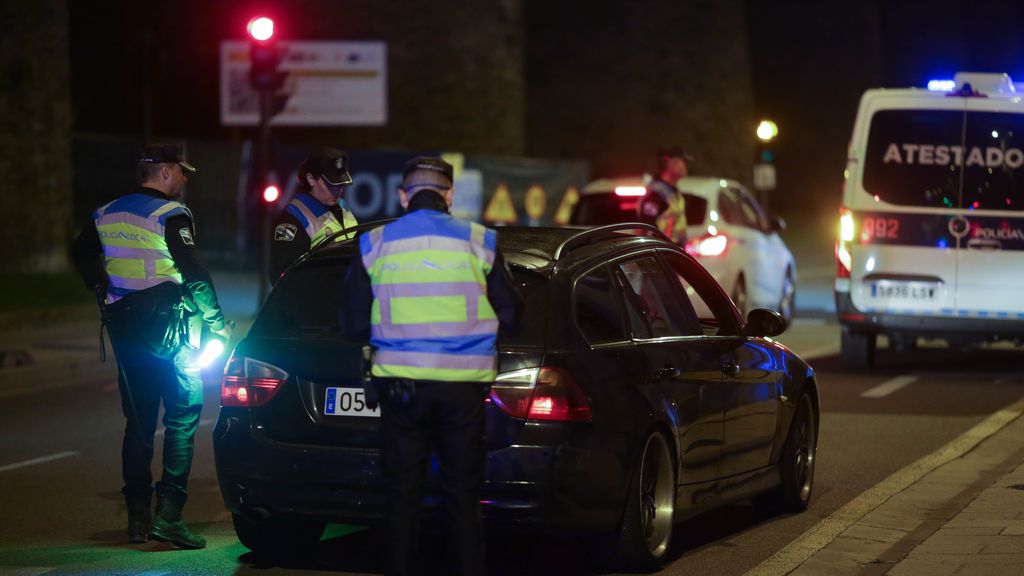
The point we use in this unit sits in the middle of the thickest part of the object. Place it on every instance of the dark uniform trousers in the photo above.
(155, 373)
(448, 416)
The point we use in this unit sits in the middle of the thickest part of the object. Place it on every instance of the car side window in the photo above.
(753, 209)
(598, 315)
(714, 311)
(735, 210)
(655, 310)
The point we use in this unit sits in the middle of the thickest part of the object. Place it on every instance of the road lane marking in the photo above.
(824, 532)
(40, 460)
(889, 386)
(202, 423)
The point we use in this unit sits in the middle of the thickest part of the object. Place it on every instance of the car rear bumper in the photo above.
(927, 326)
(540, 487)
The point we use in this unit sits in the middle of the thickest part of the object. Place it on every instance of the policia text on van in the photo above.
(931, 240)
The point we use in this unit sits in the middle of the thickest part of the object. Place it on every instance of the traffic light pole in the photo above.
(265, 96)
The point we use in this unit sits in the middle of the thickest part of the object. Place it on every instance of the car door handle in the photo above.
(669, 372)
(730, 368)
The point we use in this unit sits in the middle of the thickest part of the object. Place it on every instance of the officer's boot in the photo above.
(140, 519)
(168, 526)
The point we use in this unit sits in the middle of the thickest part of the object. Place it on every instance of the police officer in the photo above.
(140, 251)
(664, 205)
(440, 292)
(317, 210)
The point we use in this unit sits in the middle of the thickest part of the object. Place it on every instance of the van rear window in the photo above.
(920, 158)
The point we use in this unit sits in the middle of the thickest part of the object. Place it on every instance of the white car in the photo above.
(727, 230)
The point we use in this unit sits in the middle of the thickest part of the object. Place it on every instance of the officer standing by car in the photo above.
(139, 252)
(317, 210)
(440, 292)
(664, 205)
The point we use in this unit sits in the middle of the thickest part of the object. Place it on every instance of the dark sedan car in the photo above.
(635, 396)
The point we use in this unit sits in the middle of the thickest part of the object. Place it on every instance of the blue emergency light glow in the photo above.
(942, 85)
(214, 348)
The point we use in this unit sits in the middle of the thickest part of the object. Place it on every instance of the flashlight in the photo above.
(214, 348)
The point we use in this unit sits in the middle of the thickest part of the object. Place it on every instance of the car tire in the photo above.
(739, 296)
(646, 530)
(277, 538)
(787, 304)
(797, 462)
(857, 349)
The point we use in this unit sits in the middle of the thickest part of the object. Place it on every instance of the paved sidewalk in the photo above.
(958, 511)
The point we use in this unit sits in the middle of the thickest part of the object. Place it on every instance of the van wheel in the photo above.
(787, 305)
(857, 350)
(650, 506)
(739, 296)
(277, 538)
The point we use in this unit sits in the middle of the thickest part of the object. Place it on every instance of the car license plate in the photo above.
(348, 402)
(903, 290)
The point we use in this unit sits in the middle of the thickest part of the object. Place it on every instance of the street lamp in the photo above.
(764, 169)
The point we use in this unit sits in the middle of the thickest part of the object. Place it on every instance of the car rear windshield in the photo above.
(919, 157)
(306, 304)
(609, 208)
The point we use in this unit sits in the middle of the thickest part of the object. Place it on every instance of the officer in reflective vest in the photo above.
(140, 251)
(664, 205)
(317, 210)
(431, 292)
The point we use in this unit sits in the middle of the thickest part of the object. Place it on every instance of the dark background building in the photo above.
(605, 83)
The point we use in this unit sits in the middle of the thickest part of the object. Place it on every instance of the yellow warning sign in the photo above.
(569, 200)
(500, 209)
(536, 202)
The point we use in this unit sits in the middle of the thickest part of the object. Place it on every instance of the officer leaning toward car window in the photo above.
(139, 252)
(317, 210)
(431, 292)
(664, 205)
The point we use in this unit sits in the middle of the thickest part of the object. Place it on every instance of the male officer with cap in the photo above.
(431, 292)
(316, 211)
(664, 205)
(140, 252)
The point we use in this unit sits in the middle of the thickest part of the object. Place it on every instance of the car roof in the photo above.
(704, 186)
(538, 249)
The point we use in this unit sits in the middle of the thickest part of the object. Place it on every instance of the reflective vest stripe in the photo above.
(320, 222)
(131, 231)
(431, 330)
(430, 317)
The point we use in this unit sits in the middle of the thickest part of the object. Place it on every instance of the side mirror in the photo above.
(778, 224)
(762, 322)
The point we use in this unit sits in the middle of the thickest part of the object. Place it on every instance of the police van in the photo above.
(931, 235)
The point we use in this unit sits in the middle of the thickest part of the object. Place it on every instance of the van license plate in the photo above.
(890, 289)
(348, 402)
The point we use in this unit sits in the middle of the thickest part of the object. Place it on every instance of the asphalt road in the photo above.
(62, 512)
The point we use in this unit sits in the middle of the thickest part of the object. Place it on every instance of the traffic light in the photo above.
(264, 55)
(271, 193)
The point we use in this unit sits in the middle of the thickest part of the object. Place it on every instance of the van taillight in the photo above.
(545, 393)
(844, 259)
(248, 383)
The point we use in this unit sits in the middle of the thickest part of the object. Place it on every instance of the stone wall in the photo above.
(35, 136)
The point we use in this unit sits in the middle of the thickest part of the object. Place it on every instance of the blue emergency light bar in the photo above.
(942, 85)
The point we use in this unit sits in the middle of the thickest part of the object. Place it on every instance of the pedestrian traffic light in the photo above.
(264, 55)
(271, 193)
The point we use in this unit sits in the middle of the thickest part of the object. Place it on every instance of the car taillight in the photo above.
(540, 394)
(844, 259)
(709, 245)
(248, 383)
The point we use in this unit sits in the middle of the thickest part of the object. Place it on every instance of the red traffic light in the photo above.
(271, 193)
(261, 29)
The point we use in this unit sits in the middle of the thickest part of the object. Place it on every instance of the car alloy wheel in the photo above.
(647, 524)
(802, 455)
